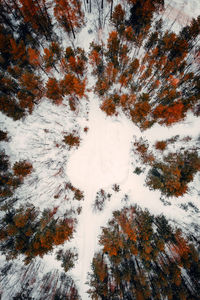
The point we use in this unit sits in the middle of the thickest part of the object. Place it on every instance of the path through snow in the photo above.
(102, 160)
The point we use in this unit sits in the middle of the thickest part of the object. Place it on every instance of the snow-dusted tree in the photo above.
(143, 257)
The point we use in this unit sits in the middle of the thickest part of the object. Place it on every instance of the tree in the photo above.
(18, 51)
(34, 57)
(134, 260)
(113, 46)
(26, 231)
(141, 13)
(22, 168)
(71, 140)
(69, 15)
(118, 16)
(36, 14)
(169, 114)
(3, 136)
(53, 90)
(160, 145)
(109, 107)
(172, 175)
(68, 258)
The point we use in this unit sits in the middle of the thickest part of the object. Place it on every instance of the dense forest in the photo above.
(139, 65)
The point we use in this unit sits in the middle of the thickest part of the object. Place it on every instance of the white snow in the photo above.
(104, 158)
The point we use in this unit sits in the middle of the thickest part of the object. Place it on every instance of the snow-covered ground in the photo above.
(104, 158)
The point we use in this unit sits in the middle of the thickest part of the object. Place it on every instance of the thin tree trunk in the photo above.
(7, 22)
(90, 6)
(111, 9)
(72, 29)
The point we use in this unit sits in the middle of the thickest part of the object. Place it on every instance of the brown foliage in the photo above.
(169, 114)
(71, 140)
(109, 107)
(161, 145)
(53, 90)
(22, 168)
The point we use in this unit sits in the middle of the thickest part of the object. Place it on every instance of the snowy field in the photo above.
(104, 158)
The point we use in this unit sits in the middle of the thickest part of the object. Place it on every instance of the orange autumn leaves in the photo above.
(161, 72)
(148, 259)
(32, 234)
(114, 241)
(169, 114)
(73, 84)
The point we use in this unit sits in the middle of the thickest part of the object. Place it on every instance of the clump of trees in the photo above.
(100, 200)
(11, 178)
(53, 284)
(171, 173)
(157, 85)
(143, 257)
(29, 51)
(174, 173)
(27, 231)
(141, 147)
(72, 63)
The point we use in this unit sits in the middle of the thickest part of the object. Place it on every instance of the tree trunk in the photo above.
(111, 9)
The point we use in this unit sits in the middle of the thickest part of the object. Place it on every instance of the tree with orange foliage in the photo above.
(169, 114)
(49, 59)
(111, 73)
(71, 85)
(32, 84)
(22, 168)
(36, 14)
(113, 45)
(118, 18)
(161, 145)
(18, 51)
(53, 90)
(109, 107)
(139, 265)
(172, 176)
(69, 15)
(34, 57)
(30, 92)
(27, 233)
(140, 112)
